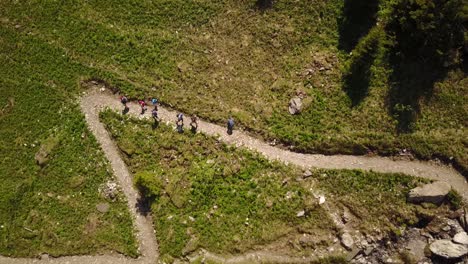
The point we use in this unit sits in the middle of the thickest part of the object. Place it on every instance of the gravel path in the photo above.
(424, 169)
(92, 102)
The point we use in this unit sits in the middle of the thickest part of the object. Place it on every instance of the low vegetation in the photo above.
(51, 167)
(205, 194)
(215, 58)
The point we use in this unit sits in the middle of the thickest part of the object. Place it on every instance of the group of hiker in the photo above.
(180, 117)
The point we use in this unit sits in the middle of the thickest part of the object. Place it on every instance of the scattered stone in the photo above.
(352, 254)
(431, 193)
(102, 207)
(300, 214)
(41, 157)
(210, 161)
(347, 240)
(461, 238)
(190, 247)
(321, 199)
(307, 174)
(368, 251)
(109, 190)
(447, 249)
(44, 256)
(295, 106)
(416, 248)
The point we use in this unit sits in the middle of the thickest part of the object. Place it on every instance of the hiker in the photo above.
(124, 101)
(180, 123)
(230, 125)
(194, 124)
(143, 106)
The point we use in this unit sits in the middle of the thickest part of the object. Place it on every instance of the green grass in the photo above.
(227, 57)
(205, 194)
(207, 58)
(51, 208)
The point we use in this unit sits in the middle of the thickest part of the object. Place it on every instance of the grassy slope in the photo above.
(51, 209)
(223, 188)
(219, 58)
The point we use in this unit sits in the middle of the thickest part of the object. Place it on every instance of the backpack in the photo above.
(123, 99)
(180, 116)
(231, 123)
(154, 113)
(154, 101)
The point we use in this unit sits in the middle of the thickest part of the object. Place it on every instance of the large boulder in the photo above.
(295, 105)
(447, 249)
(430, 193)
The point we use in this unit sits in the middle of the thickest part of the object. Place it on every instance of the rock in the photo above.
(351, 255)
(347, 240)
(190, 247)
(109, 190)
(461, 238)
(416, 248)
(300, 214)
(295, 106)
(368, 251)
(321, 199)
(102, 207)
(307, 174)
(41, 157)
(447, 249)
(44, 256)
(430, 193)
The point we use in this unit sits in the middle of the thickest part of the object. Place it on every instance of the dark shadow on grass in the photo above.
(358, 17)
(155, 124)
(356, 81)
(264, 4)
(411, 80)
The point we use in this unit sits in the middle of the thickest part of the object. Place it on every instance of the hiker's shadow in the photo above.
(155, 125)
(125, 111)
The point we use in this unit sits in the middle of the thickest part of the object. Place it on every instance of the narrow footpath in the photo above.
(94, 101)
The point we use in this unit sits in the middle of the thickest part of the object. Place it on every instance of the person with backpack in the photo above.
(124, 101)
(194, 124)
(143, 106)
(180, 123)
(230, 125)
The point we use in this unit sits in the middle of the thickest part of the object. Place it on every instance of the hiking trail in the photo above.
(93, 101)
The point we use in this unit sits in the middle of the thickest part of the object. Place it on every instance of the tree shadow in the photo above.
(358, 17)
(411, 80)
(264, 4)
(356, 81)
(143, 205)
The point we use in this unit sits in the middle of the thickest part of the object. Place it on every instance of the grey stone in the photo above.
(461, 238)
(41, 157)
(416, 248)
(347, 240)
(300, 214)
(307, 174)
(102, 207)
(352, 254)
(430, 193)
(447, 249)
(295, 106)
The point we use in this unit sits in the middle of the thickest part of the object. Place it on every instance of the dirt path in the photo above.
(95, 101)
(422, 169)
